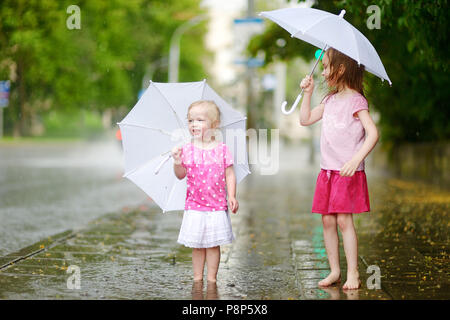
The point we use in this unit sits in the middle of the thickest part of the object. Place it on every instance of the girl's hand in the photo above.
(233, 203)
(307, 84)
(176, 154)
(349, 168)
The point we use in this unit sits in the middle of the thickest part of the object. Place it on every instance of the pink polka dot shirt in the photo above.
(206, 185)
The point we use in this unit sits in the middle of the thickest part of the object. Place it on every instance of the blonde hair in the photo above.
(212, 110)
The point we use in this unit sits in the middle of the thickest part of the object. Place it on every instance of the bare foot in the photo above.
(211, 280)
(352, 282)
(332, 278)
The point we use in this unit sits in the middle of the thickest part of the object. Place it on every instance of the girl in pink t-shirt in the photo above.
(341, 187)
(208, 165)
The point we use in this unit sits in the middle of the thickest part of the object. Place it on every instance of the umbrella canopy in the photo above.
(323, 29)
(157, 123)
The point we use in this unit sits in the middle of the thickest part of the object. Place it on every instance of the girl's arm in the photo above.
(178, 168)
(231, 188)
(308, 117)
(180, 171)
(350, 167)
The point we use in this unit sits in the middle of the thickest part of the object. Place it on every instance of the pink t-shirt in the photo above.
(206, 185)
(342, 133)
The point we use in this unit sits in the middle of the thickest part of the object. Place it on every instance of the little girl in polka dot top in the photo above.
(208, 165)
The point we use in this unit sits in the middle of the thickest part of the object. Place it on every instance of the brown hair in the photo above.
(352, 77)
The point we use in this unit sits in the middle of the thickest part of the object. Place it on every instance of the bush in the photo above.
(73, 124)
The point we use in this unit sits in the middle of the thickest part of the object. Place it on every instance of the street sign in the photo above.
(141, 92)
(251, 62)
(4, 93)
(244, 30)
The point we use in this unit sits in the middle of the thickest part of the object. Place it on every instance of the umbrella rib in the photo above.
(312, 25)
(203, 90)
(171, 192)
(180, 123)
(225, 125)
(146, 163)
(356, 43)
(145, 127)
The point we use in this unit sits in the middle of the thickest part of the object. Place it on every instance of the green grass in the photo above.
(73, 124)
(64, 127)
(43, 139)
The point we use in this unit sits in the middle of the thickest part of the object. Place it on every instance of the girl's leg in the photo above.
(331, 239)
(212, 262)
(345, 222)
(198, 262)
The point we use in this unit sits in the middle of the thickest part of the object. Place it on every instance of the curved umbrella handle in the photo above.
(283, 106)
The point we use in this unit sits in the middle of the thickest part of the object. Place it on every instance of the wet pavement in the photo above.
(47, 187)
(278, 252)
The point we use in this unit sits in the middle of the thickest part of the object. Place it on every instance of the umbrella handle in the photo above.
(283, 106)
(162, 163)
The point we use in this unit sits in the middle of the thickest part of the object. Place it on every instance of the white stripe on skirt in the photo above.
(205, 229)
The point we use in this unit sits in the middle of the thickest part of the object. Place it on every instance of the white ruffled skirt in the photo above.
(205, 229)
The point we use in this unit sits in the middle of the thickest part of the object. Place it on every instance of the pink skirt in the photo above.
(337, 194)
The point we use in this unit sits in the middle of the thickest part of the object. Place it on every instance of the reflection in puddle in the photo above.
(211, 291)
(197, 290)
(351, 294)
(333, 291)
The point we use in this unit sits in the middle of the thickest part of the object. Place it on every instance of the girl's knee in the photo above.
(345, 220)
(329, 221)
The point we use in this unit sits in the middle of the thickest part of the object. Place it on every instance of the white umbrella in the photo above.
(157, 123)
(323, 29)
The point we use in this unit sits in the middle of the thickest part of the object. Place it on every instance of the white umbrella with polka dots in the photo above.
(157, 123)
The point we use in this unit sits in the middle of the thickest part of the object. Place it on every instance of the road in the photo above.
(278, 253)
(48, 187)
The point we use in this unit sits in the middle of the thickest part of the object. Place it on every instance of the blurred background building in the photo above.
(248, 82)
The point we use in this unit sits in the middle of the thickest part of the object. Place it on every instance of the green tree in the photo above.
(96, 67)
